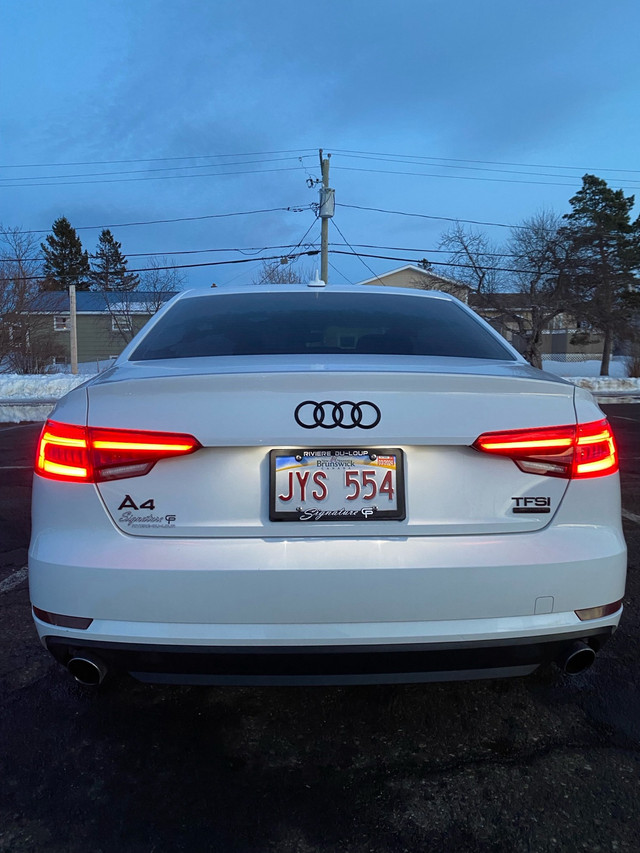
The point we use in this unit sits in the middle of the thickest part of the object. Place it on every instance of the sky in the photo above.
(161, 118)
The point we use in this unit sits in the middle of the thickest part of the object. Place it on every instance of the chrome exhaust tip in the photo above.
(576, 658)
(87, 670)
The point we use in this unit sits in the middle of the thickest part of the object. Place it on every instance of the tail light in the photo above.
(575, 452)
(94, 454)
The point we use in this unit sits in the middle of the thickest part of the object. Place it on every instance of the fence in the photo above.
(575, 357)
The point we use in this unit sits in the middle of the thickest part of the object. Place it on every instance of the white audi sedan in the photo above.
(324, 485)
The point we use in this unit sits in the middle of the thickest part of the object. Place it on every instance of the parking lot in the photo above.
(546, 763)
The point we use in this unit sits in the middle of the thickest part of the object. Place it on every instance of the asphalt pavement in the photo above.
(545, 763)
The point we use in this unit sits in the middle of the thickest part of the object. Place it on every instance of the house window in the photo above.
(121, 323)
(61, 324)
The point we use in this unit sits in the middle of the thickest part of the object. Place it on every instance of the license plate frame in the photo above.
(360, 459)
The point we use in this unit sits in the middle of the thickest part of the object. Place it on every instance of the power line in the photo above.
(155, 178)
(300, 241)
(335, 225)
(290, 209)
(58, 178)
(415, 262)
(428, 216)
(298, 151)
(105, 177)
(429, 251)
(310, 253)
(459, 177)
(298, 244)
(307, 252)
(242, 251)
(246, 250)
(294, 246)
(192, 266)
(384, 159)
(151, 159)
(289, 246)
(335, 268)
(301, 209)
(243, 272)
(221, 263)
(486, 162)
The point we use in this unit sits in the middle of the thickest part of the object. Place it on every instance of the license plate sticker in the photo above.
(354, 484)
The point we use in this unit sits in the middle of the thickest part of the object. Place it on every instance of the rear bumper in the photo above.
(324, 610)
(322, 665)
(126, 583)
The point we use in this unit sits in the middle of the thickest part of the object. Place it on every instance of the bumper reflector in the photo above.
(598, 612)
(62, 621)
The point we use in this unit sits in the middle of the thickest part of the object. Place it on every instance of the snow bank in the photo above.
(586, 374)
(606, 384)
(617, 367)
(23, 387)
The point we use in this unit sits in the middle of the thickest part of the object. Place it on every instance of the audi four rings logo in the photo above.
(345, 414)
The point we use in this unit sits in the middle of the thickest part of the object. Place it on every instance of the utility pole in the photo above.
(326, 211)
(73, 329)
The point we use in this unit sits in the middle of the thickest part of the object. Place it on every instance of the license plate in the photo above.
(356, 484)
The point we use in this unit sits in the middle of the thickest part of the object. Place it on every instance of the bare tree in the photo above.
(542, 257)
(277, 272)
(26, 342)
(429, 280)
(472, 259)
(159, 281)
(130, 309)
(533, 267)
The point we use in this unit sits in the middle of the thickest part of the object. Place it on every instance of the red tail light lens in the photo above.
(63, 453)
(127, 453)
(95, 454)
(596, 452)
(574, 452)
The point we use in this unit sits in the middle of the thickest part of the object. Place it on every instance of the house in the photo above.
(105, 321)
(565, 339)
(414, 276)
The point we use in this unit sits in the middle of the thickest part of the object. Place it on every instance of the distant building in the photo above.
(106, 321)
(414, 276)
(565, 339)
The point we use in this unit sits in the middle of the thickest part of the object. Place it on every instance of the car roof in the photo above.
(313, 288)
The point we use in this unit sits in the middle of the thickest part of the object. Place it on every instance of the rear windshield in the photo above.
(316, 323)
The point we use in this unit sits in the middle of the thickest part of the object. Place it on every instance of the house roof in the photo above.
(91, 302)
(418, 271)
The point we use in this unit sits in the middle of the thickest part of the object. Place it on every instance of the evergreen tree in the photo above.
(109, 266)
(606, 247)
(65, 261)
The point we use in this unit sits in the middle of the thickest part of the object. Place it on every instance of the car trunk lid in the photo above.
(430, 414)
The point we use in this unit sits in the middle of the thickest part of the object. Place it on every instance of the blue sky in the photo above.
(482, 111)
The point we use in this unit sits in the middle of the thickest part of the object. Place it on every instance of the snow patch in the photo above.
(25, 385)
(39, 387)
(606, 384)
(617, 367)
